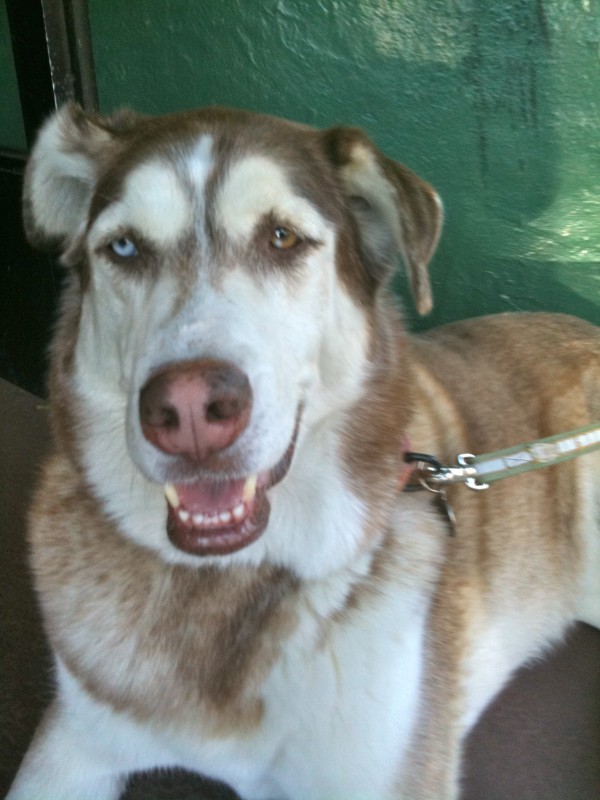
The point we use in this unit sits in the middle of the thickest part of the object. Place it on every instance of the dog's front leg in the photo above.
(431, 775)
(62, 764)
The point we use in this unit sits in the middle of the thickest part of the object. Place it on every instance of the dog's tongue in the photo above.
(211, 497)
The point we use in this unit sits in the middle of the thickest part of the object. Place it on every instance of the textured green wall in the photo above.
(12, 134)
(497, 104)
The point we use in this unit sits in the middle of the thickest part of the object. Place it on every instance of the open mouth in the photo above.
(220, 516)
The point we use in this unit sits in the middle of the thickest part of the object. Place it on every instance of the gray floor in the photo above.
(540, 740)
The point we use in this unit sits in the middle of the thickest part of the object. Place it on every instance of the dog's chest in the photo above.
(329, 718)
(338, 708)
(341, 710)
(282, 688)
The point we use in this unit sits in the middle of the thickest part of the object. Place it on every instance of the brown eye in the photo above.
(283, 238)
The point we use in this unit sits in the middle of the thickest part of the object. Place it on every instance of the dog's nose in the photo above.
(195, 409)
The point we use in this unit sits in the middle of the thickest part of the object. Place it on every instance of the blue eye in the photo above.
(124, 248)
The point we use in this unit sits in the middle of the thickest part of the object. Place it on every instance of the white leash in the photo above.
(478, 472)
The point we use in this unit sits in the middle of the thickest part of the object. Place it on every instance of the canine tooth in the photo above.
(183, 515)
(238, 512)
(199, 519)
(225, 516)
(171, 495)
(250, 489)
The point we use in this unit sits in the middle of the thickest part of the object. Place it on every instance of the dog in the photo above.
(231, 577)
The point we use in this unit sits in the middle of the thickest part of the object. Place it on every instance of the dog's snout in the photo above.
(195, 409)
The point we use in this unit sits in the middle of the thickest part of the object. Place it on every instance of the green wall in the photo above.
(497, 104)
(12, 133)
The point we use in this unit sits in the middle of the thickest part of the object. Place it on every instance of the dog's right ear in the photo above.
(62, 173)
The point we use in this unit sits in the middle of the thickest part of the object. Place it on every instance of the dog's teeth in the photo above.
(212, 520)
(250, 489)
(171, 495)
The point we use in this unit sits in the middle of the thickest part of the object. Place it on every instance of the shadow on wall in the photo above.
(515, 125)
(508, 286)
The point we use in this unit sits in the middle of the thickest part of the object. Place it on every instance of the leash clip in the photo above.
(431, 471)
(465, 461)
(429, 468)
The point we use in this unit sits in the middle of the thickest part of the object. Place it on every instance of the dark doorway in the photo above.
(53, 62)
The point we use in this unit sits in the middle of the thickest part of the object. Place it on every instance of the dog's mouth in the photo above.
(218, 516)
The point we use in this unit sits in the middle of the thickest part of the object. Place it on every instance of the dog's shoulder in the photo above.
(514, 353)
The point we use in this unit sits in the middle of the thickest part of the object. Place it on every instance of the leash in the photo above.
(478, 472)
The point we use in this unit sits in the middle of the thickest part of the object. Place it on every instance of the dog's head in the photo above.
(227, 271)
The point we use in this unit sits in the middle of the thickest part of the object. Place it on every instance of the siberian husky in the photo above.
(231, 578)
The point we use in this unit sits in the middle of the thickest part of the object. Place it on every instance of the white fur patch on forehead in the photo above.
(200, 162)
(154, 203)
(256, 186)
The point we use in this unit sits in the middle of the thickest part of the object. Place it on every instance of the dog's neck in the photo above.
(375, 435)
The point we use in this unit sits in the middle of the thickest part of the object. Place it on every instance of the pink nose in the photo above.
(195, 409)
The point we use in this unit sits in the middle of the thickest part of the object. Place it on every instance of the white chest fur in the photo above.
(338, 712)
(345, 718)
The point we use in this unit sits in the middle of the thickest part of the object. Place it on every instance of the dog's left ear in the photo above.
(395, 210)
